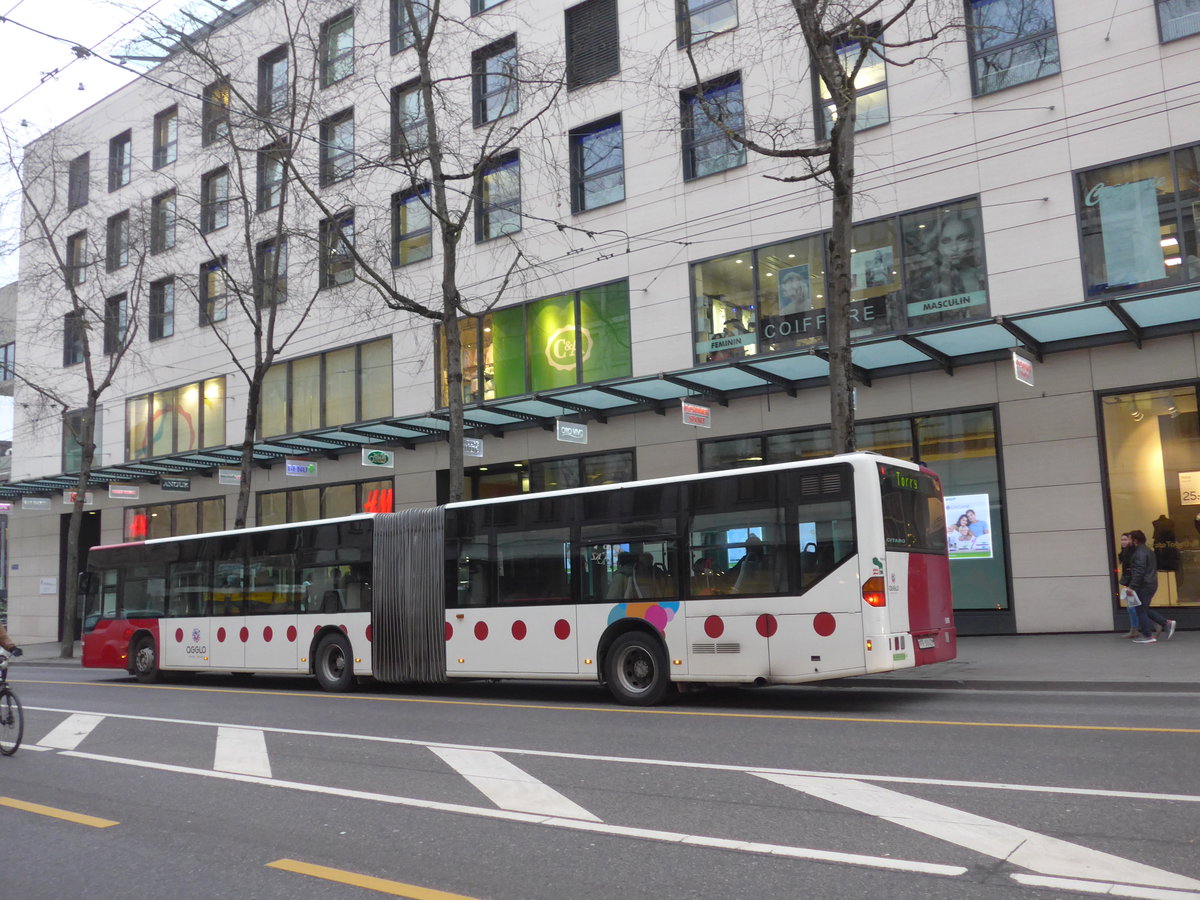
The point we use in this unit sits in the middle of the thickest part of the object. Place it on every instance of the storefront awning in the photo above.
(1135, 318)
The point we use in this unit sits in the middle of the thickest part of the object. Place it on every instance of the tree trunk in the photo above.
(246, 467)
(70, 589)
(841, 368)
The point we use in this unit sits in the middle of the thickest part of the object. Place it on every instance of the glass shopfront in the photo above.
(1152, 448)
(959, 446)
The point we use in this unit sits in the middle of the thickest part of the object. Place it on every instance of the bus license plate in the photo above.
(926, 643)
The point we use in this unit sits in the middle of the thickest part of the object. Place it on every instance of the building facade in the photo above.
(1026, 278)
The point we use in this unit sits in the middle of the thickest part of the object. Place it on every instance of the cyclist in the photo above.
(7, 643)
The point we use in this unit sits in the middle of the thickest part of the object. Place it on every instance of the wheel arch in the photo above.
(614, 631)
(316, 640)
(138, 634)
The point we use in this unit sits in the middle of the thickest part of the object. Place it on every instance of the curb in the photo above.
(933, 684)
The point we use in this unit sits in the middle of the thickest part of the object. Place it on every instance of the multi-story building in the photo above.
(1026, 295)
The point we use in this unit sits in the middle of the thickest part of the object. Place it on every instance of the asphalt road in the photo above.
(266, 788)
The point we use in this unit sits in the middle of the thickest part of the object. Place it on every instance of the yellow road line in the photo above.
(65, 814)
(632, 711)
(371, 883)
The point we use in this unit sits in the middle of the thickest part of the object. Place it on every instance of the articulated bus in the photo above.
(781, 574)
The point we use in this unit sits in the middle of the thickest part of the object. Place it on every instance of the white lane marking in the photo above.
(508, 786)
(1036, 852)
(242, 750)
(1105, 888)
(672, 764)
(70, 732)
(877, 862)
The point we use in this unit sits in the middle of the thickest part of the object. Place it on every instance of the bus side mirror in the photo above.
(87, 582)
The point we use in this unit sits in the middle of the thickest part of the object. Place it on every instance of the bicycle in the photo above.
(12, 722)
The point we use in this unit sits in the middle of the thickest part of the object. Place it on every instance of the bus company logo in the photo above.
(893, 583)
(195, 635)
(560, 348)
(876, 566)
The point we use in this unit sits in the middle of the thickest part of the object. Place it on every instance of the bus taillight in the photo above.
(874, 591)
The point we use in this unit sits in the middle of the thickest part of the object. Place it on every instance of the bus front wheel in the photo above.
(145, 660)
(333, 664)
(636, 669)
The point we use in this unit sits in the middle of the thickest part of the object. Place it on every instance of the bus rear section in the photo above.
(906, 593)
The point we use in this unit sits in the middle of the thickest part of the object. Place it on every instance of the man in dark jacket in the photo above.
(1141, 576)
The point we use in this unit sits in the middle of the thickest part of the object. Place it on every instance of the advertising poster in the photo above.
(968, 531)
(943, 266)
(795, 291)
(871, 269)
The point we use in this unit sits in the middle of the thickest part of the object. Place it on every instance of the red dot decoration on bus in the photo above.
(766, 625)
(481, 631)
(268, 634)
(345, 630)
(291, 633)
(179, 635)
(449, 631)
(244, 634)
(714, 627)
(368, 633)
(316, 628)
(220, 635)
(824, 624)
(562, 629)
(519, 630)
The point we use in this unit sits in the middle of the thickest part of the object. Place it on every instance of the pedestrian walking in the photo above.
(1123, 560)
(1142, 578)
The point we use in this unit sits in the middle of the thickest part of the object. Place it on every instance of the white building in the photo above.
(1034, 187)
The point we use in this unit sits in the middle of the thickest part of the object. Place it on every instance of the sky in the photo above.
(46, 82)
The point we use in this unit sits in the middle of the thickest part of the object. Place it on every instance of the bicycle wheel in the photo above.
(12, 723)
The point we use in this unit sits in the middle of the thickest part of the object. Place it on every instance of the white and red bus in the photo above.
(781, 574)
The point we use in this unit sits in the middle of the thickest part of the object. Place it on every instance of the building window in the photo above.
(273, 81)
(1138, 222)
(166, 137)
(410, 133)
(1178, 18)
(593, 45)
(214, 200)
(915, 270)
(403, 15)
(78, 176)
(116, 324)
(330, 388)
(412, 226)
(337, 48)
(575, 338)
(498, 210)
(73, 337)
(871, 98)
(699, 19)
(478, 6)
(707, 149)
(597, 165)
(214, 292)
(1012, 42)
(163, 520)
(495, 80)
(162, 309)
(120, 160)
(272, 177)
(270, 272)
(72, 443)
(326, 502)
(8, 361)
(215, 116)
(77, 261)
(337, 147)
(162, 222)
(116, 253)
(175, 420)
(337, 262)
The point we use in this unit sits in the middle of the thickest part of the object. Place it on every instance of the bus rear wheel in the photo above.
(333, 665)
(636, 669)
(145, 660)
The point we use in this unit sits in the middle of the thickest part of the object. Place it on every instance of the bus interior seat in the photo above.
(331, 602)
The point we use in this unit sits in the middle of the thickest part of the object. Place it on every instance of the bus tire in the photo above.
(144, 657)
(636, 669)
(333, 665)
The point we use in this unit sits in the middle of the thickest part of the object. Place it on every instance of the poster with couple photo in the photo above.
(968, 530)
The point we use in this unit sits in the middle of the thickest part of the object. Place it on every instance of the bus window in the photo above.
(741, 552)
(334, 589)
(273, 585)
(475, 574)
(189, 589)
(534, 566)
(228, 589)
(144, 594)
(826, 539)
(914, 515)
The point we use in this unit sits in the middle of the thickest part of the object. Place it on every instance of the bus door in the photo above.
(230, 628)
(186, 634)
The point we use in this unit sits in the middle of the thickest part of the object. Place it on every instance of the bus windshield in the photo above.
(914, 516)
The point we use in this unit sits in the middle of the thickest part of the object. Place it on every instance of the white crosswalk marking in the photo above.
(242, 750)
(71, 731)
(509, 787)
(1027, 849)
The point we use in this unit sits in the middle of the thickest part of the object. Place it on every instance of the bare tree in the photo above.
(841, 37)
(92, 297)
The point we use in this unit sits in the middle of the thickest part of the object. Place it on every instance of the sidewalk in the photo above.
(1081, 662)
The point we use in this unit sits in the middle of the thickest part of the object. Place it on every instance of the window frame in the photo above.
(116, 323)
(593, 42)
(271, 193)
(579, 177)
(485, 209)
(684, 16)
(850, 48)
(120, 160)
(401, 203)
(481, 93)
(214, 307)
(1159, 6)
(272, 96)
(79, 176)
(975, 55)
(116, 243)
(161, 313)
(482, 6)
(337, 161)
(215, 112)
(402, 134)
(400, 31)
(76, 258)
(270, 291)
(331, 63)
(8, 361)
(209, 425)
(336, 272)
(163, 219)
(73, 338)
(214, 208)
(690, 107)
(166, 137)
(72, 422)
